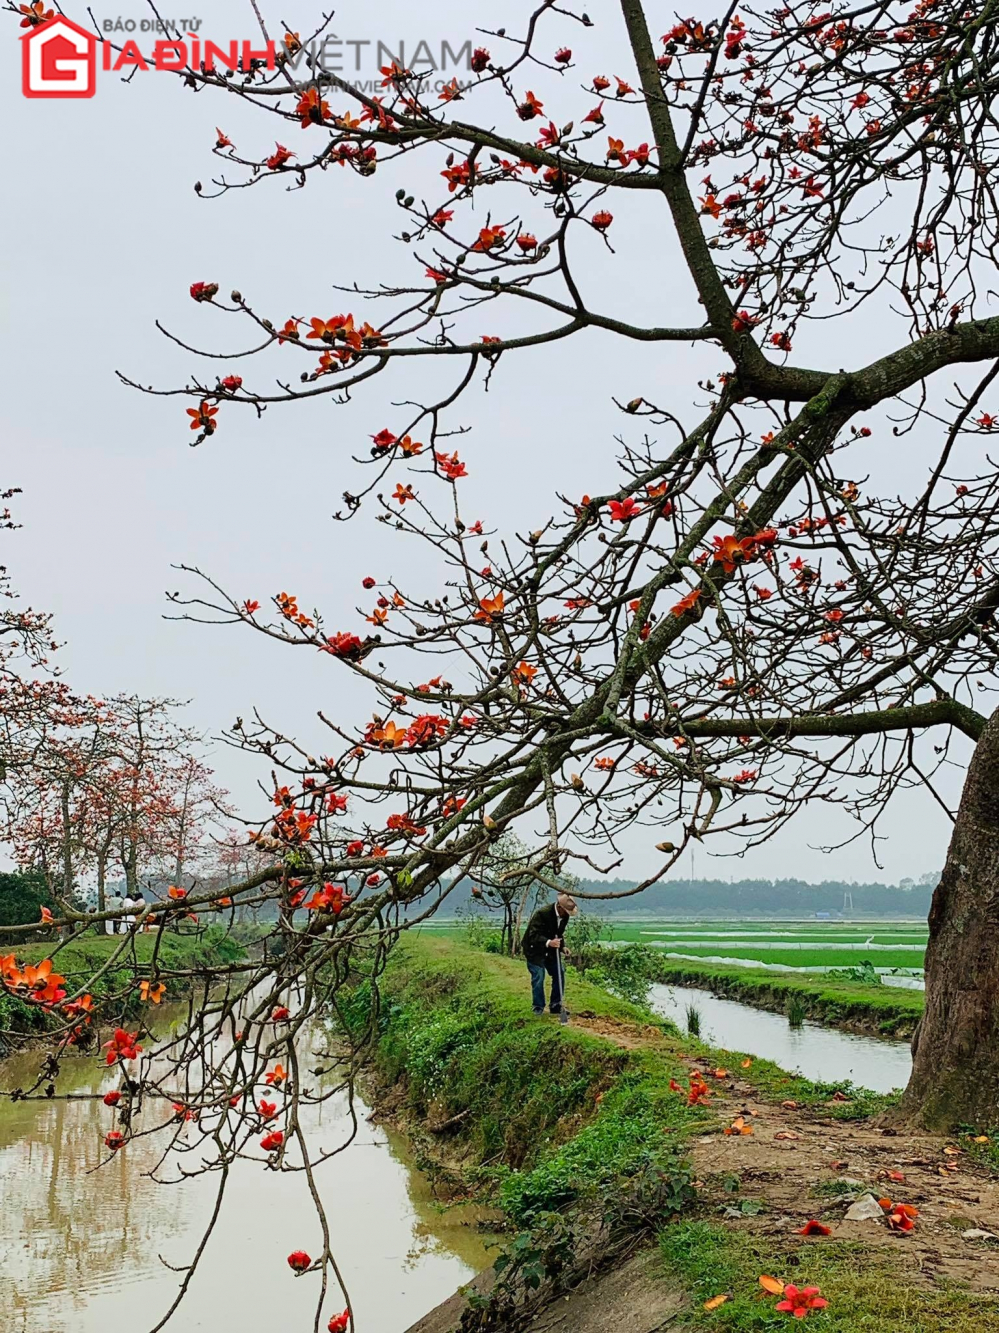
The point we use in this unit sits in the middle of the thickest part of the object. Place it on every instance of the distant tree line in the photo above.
(747, 897)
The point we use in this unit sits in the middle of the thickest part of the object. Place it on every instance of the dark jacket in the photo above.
(544, 925)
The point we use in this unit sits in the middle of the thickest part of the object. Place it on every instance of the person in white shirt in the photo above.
(112, 903)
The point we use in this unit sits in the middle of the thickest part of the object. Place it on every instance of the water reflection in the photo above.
(824, 1054)
(85, 1250)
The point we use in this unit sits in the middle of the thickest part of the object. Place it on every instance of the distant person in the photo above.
(542, 946)
(113, 903)
(138, 904)
(133, 904)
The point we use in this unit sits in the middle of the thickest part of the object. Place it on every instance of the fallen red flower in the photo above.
(801, 1301)
(900, 1216)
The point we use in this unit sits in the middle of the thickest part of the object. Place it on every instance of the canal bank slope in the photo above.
(629, 1205)
(853, 1006)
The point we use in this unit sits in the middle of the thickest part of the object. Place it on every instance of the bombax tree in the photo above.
(740, 625)
(32, 698)
(734, 622)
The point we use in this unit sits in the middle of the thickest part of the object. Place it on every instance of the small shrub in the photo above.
(479, 933)
(797, 1011)
(22, 896)
(693, 1020)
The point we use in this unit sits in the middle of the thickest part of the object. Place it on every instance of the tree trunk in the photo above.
(102, 869)
(130, 864)
(520, 918)
(178, 873)
(67, 845)
(508, 927)
(955, 1073)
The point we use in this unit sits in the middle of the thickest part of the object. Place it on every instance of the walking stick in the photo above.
(563, 1013)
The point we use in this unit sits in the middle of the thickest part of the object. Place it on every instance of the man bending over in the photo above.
(542, 944)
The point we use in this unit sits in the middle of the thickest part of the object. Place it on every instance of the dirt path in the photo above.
(629, 1036)
(794, 1155)
(799, 1164)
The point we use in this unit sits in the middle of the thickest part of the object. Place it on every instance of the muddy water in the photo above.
(85, 1250)
(824, 1054)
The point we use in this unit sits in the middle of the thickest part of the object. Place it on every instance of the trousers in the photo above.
(537, 970)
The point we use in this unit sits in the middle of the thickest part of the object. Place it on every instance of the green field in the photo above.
(830, 958)
(777, 944)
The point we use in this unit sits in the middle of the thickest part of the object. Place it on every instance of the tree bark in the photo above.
(102, 867)
(178, 873)
(955, 1073)
(130, 863)
(67, 844)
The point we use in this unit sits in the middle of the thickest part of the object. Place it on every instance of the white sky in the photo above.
(105, 234)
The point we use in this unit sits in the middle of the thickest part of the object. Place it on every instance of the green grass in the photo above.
(81, 958)
(790, 930)
(785, 944)
(767, 942)
(869, 1291)
(550, 1114)
(801, 957)
(458, 1025)
(174, 952)
(557, 1116)
(885, 1010)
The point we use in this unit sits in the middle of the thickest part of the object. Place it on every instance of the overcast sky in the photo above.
(106, 234)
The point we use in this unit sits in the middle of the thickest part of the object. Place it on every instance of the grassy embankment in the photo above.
(554, 1111)
(82, 957)
(546, 1117)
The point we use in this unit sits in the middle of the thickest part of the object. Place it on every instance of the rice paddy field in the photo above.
(812, 946)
